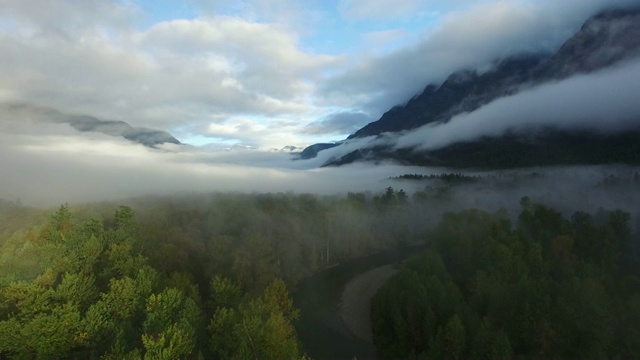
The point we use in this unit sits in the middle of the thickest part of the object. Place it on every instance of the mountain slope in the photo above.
(463, 91)
(29, 112)
(604, 40)
(144, 136)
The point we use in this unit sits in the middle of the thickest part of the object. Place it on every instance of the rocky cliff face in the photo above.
(603, 40)
(606, 39)
(463, 91)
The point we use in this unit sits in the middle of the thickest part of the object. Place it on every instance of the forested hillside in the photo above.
(209, 276)
(82, 289)
(550, 287)
(181, 277)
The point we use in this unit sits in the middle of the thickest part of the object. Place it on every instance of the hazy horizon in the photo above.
(262, 75)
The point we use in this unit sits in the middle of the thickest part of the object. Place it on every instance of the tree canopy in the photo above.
(549, 287)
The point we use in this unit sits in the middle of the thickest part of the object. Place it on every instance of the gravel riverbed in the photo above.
(355, 304)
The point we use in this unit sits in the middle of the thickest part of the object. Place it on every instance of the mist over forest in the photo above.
(183, 273)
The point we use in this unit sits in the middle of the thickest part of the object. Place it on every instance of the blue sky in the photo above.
(262, 73)
(330, 31)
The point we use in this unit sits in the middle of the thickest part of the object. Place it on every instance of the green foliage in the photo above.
(256, 329)
(277, 300)
(200, 278)
(91, 293)
(170, 326)
(254, 239)
(50, 334)
(548, 288)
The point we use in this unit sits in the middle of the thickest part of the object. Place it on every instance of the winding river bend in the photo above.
(334, 305)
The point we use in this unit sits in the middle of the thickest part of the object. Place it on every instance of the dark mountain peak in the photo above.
(144, 136)
(460, 78)
(85, 123)
(613, 14)
(607, 38)
(519, 63)
(90, 123)
(150, 137)
(462, 91)
(311, 151)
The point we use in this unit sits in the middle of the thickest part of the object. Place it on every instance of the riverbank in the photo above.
(321, 329)
(355, 304)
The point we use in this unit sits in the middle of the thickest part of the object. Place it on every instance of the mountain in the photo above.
(288, 149)
(463, 91)
(312, 151)
(144, 136)
(547, 147)
(604, 40)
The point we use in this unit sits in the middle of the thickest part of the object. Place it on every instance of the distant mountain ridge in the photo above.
(312, 151)
(604, 40)
(144, 136)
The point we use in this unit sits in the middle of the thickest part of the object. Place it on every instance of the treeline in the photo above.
(15, 216)
(447, 178)
(253, 238)
(83, 289)
(458, 178)
(206, 276)
(550, 287)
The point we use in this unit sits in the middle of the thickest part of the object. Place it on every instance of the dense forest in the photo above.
(178, 277)
(209, 276)
(550, 287)
(85, 289)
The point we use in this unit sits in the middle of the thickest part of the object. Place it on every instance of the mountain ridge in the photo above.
(85, 123)
(145, 136)
(605, 39)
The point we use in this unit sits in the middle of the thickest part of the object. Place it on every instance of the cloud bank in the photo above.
(470, 37)
(46, 163)
(260, 72)
(603, 102)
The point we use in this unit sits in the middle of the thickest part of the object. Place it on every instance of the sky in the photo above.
(258, 74)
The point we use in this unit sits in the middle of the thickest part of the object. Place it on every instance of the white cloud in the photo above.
(80, 17)
(382, 9)
(249, 59)
(470, 37)
(602, 102)
(301, 17)
(378, 43)
(49, 164)
(174, 73)
(346, 122)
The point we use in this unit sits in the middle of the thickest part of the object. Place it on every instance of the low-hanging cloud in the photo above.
(339, 123)
(602, 102)
(470, 38)
(253, 59)
(51, 163)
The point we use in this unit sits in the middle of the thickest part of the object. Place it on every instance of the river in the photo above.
(321, 328)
